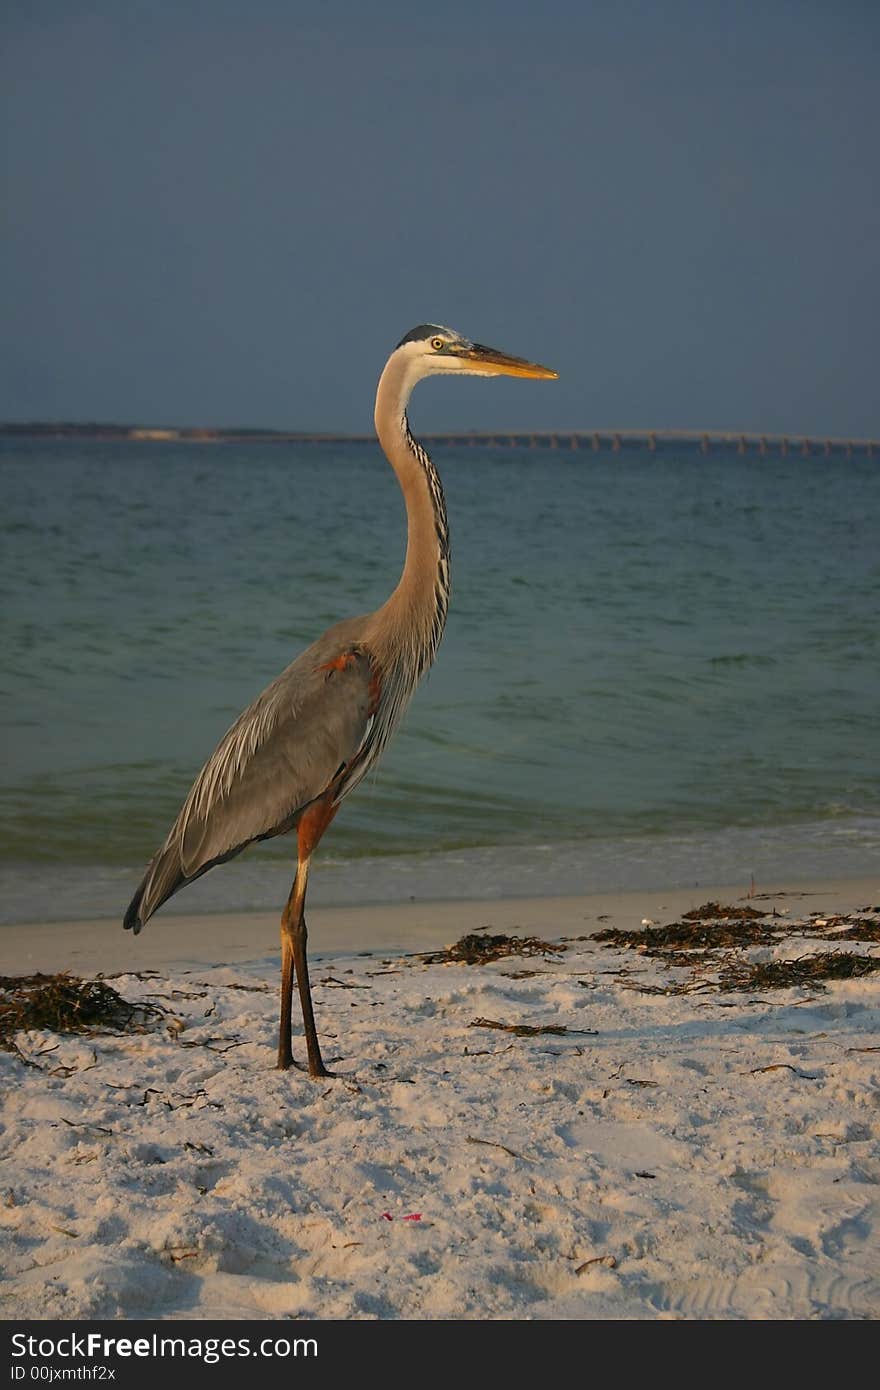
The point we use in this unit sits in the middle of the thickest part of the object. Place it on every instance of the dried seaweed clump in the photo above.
(696, 935)
(710, 936)
(64, 1003)
(856, 928)
(806, 970)
(523, 1030)
(711, 912)
(478, 949)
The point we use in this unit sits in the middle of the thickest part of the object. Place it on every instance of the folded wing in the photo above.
(285, 750)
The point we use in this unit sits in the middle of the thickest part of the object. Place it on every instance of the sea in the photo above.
(660, 669)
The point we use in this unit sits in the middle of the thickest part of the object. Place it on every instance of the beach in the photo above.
(651, 1142)
(641, 684)
(595, 942)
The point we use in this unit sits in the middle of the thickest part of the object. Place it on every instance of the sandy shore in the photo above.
(649, 1143)
(173, 940)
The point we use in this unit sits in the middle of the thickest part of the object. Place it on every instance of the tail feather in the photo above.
(132, 919)
(162, 879)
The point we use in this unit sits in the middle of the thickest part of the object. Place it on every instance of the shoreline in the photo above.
(180, 940)
(259, 882)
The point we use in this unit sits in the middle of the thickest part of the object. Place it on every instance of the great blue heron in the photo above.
(305, 743)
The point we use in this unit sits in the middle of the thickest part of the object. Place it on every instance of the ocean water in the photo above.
(658, 669)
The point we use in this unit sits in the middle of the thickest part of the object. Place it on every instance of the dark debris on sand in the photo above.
(806, 970)
(708, 938)
(711, 912)
(65, 1003)
(855, 928)
(478, 949)
(701, 934)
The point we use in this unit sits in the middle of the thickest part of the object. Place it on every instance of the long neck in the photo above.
(411, 622)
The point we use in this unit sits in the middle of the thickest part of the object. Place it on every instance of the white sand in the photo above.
(703, 1155)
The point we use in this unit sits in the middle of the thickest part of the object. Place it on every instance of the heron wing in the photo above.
(281, 753)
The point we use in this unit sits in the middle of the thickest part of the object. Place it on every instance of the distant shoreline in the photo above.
(161, 434)
(741, 441)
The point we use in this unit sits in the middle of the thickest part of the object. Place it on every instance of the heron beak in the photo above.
(490, 362)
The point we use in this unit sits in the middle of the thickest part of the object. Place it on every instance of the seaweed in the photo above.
(530, 1030)
(712, 927)
(64, 1003)
(713, 911)
(696, 935)
(478, 949)
(708, 938)
(857, 928)
(805, 970)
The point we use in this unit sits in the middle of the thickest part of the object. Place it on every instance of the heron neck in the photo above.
(414, 616)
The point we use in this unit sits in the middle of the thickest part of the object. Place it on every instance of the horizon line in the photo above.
(227, 433)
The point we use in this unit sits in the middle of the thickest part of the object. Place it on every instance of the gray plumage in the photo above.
(305, 729)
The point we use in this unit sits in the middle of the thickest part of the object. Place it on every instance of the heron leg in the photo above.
(316, 1064)
(285, 1042)
(310, 827)
(294, 937)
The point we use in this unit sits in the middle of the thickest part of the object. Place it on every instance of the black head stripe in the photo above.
(422, 333)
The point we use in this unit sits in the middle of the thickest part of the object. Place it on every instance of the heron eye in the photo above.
(437, 344)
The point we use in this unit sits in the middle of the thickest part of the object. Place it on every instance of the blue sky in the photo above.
(229, 213)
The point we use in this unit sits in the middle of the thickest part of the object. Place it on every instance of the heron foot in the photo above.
(318, 1073)
(316, 1069)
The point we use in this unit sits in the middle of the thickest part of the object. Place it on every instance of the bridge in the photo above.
(614, 441)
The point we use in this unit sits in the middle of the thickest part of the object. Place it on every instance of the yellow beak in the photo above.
(490, 362)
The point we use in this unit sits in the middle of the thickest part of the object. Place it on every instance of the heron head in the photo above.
(431, 349)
